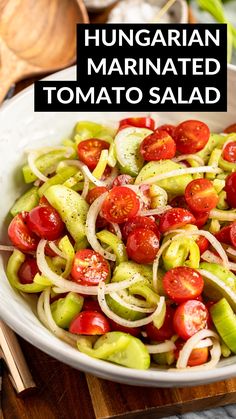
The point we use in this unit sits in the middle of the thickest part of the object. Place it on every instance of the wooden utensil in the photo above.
(37, 37)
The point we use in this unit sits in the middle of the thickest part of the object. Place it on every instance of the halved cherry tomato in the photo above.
(201, 218)
(20, 235)
(92, 195)
(230, 189)
(89, 151)
(144, 122)
(191, 136)
(230, 128)
(142, 245)
(89, 268)
(157, 146)
(45, 222)
(189, 318)
(140, 222)
(27, 271)
(166, 331)
(134, 331)
(91, 305)
(198, 356)
(179, 202)
(89, 323)
(168, 128)
(224, 235)
(120, 205)
(229, 152)
(182, 284)
(201, 195)
(232, 233)
(122, 180)
(202, 243)
(175, 218)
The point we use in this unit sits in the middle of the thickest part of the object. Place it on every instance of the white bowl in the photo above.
(22, 128)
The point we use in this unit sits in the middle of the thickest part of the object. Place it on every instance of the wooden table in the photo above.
(65, 393)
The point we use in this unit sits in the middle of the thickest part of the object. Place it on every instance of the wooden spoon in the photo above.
(37, 37)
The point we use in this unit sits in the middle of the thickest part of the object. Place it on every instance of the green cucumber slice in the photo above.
(26, 202)
(127, 143)
(65, 309)
(224, 320)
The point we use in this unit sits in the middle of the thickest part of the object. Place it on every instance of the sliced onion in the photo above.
(117, 230)
(85, 170)
(130, 299)
(40, 310)
(229, 250)
(156, 262)
(6, 248)
(123, 322)
(198, 159)
(231, 295)
(56, 250)
(86, 187)
(155, 211)
(160, 348)
(208, 256)
(116, 296)
(180, 172)
(35, 154)
(91, 228)
(204, 343)
(222, 215)
(191, 343)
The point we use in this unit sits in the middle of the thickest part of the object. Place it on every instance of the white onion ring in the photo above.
(56, 250)
(120, 300)
(222, 215)
(6, 248)
(86, 187)
(123, 322)
(93, 212)
(155, 211)
(208, 256)
(160, 348)
(198, 159)
(156, 262)
(85, 170)
(204, 343)
(130, 299)
(117, 230)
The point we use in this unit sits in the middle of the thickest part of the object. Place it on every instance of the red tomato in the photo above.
(189, 318)
(229, 152)
(182, 284)
(231, 128)
(168, 128)
(122, 180)
(198, 356)
(43, 201)
(175, 218)
(191, 136)
(140, 222)
(230, 189)
(45, 222)
(20, 235)
(134, 331)
(92, 195)
(224, 235)
(157, 146)
(89, 323)
(179, 202)
(166, 331)
(89, 151)
(232, 233)
(201, 195)
(120, 205)
(144, 122)
(201, 218)
(27, 271)
(89, 268)
(142, 245)
(91, 305)
(202, 243)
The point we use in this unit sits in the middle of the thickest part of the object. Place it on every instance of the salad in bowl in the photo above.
(126, 236)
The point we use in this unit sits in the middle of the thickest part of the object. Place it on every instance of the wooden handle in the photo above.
(18, 371)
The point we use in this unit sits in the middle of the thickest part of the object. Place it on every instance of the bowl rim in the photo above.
(103, 369)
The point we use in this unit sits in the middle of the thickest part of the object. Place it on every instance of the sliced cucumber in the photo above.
(224, 320)
(124, 312)
(127, 143)
(65, 309)
(26, 202)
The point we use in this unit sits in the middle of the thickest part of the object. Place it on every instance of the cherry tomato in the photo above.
(134, 331)
(224, 235)
(122, 180)
(27, 271)
(182, 284)
(157, 146)
(120, 205)
(230, 189)
(230, 128)
(45, 222)
(198, 356)
(201, 195)
(189, 318)
(91, 305)
(139, 222)
(89, 151)
(229, 152)
(175, 218)
(168, 128)
(89, 323)
(144, 122)
(202, 243)
(20, 235)
(191, 136)
(232, 233)
(92, 195)
(142, 245)
(166, 331)
(89, 268)
(201, 218)
(179, 202)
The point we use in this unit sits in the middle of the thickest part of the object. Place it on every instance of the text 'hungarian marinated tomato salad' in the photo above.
(127, 236)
